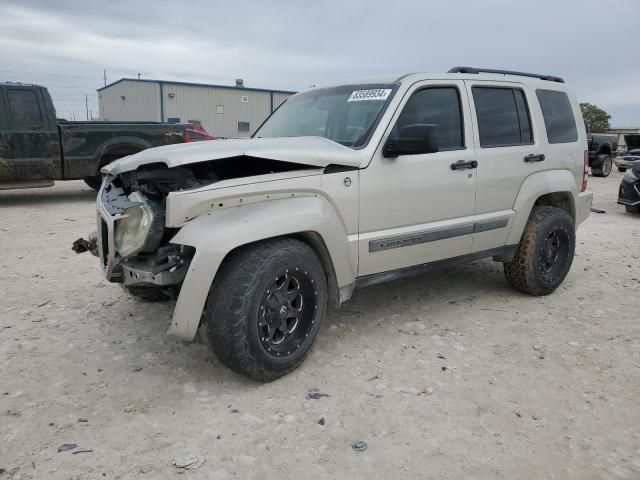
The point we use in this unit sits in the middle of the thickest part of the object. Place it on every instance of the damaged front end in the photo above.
(141, 206)
(132, 241)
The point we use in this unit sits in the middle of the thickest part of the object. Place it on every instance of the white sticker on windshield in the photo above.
(373, 94)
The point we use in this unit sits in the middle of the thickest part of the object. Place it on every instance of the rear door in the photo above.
(509, 149)
(7, 172)
(31, 134)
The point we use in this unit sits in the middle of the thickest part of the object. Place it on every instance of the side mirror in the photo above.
(413, 139)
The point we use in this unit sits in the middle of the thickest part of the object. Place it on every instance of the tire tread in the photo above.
(520, 272)
(232, 297)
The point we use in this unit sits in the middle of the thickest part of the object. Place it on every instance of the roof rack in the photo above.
(549, 78)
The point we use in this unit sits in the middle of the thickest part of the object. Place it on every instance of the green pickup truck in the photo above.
(36, 148)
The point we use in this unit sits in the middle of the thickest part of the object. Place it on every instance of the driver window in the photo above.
(440, 107)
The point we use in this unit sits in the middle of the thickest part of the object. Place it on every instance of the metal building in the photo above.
(224, 111)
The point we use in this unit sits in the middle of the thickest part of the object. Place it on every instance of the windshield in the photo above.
(347, 114)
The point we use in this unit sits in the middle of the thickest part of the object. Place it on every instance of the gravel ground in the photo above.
(451, 375)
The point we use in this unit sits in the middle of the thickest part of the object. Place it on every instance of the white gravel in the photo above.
(451, 375)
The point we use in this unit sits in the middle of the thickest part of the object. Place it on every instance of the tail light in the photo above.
(585, 172)
(185, 137)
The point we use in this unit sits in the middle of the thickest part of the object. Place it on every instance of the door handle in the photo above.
(462, 165)
(534, 158)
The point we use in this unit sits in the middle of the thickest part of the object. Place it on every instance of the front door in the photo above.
(31, 136)
(416, 209)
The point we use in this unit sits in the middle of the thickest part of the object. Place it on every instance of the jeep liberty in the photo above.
(345, 187)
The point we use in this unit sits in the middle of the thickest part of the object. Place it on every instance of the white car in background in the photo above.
(627, 159)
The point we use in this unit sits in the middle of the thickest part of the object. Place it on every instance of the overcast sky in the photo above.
(66, 44)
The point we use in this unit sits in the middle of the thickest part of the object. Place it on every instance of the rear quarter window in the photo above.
(558, 116)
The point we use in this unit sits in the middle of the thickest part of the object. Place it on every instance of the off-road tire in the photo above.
(524, 272)
(632, 208)
(602, 166)
(147, 294)
(237, 297)
(622, 169)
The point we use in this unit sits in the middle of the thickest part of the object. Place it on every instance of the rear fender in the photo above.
(217, 233)
(535, 186)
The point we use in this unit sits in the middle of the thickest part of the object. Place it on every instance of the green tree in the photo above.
(595, 118)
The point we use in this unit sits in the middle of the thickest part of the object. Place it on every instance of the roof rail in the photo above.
(549, 78)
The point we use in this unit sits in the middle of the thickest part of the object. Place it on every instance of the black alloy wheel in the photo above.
(553, 254)
(266, 306)
(286, 312)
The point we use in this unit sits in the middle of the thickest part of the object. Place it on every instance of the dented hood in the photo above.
(313, 151)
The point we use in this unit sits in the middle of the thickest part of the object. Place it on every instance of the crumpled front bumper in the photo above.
(165, 267)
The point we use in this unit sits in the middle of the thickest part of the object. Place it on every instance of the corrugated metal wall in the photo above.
(141, 102)
(279, 98)
(218, 109)
(223, 112)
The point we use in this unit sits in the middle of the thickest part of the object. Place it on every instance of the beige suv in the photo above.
(344, 187)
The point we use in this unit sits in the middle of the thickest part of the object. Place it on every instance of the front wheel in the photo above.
(545, 252)
(266, 306)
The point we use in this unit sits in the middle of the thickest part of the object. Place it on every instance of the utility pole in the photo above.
(86, 105)
(104, 72)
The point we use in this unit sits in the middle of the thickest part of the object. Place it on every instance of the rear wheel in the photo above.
(266, 307)
(545, 252)
(632, 209)
(602, 166)
(93, 182)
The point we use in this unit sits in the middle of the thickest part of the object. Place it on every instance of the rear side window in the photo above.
(25, 110)
(503, 117)
(558, 116)
(438, 106)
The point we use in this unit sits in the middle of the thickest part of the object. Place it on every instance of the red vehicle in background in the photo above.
(196, 133)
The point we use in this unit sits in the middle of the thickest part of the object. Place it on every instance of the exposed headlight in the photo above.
(137, 228)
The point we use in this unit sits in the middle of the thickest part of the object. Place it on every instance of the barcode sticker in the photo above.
(373, 94)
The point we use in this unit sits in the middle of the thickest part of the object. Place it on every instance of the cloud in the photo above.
(291, 44)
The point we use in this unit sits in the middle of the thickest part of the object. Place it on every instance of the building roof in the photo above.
(190, 84)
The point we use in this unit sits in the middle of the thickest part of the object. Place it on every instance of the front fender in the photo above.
(216, 233)
(534, 186)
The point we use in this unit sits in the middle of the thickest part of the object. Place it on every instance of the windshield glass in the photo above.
(347, 114)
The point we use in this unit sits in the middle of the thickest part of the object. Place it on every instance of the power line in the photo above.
(50, 74)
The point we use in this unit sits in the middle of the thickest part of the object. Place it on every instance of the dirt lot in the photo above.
(520, 387)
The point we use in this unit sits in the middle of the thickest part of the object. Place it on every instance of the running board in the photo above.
(500, 254)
